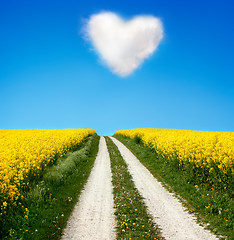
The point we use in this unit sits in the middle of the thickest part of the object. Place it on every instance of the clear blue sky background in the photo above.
(50, 79)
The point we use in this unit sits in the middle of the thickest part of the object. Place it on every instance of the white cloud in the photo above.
(123, 45)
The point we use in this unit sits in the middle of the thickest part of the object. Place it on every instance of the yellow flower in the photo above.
(29, 151)
(202, 149)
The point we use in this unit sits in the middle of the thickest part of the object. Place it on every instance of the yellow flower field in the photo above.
(24, 153)
(213, 150)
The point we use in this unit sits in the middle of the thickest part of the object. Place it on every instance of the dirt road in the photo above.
(93, 216)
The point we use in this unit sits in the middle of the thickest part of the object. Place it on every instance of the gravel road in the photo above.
(93, 216)
(175, 222)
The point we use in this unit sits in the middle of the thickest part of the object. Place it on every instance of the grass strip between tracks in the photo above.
(210, 206)
(49, 201)
(133, 221)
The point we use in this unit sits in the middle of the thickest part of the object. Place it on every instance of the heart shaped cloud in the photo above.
(123, 45)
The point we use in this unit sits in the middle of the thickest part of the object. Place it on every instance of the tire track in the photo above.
(93, 216)
(166, 210)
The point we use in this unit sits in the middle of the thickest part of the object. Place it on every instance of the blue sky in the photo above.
(49, 78)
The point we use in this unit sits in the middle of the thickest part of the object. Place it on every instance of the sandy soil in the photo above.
(168, 213)
(93, 216)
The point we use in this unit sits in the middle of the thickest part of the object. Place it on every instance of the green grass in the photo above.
(50, 200)
(211, 206)
(133, 221)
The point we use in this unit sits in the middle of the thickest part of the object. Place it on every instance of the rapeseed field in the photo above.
(209, 155)
(25, 153)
